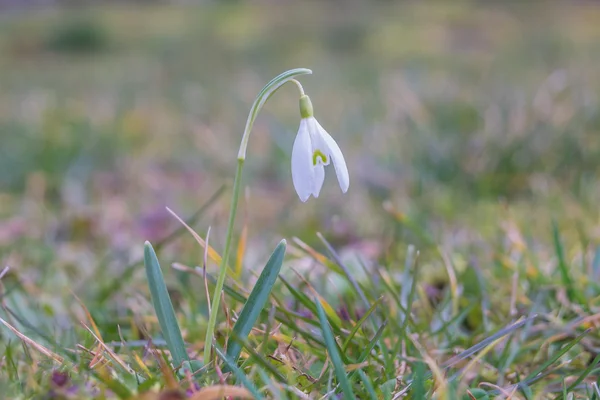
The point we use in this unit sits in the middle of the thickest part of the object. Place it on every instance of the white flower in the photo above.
(313, 149)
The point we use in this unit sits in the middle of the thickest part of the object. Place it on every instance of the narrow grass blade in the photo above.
(360, 323)
(257, 300)
(555, 357)
(116, 283)
(372, 343)
(368, 385)
(254, 355)
(562, 265)
(418, 391)
(43, 350)
(596, 264)
(239, 374)
(114, 385)
(344, 268)
(163, 307)
(334, 354)
(593, 365)
(289, 321)
(484, 343)
(306, 302)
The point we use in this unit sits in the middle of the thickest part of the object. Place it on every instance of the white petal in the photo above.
(316, 140)
(302, 168)
(319, 179)
(338, 159)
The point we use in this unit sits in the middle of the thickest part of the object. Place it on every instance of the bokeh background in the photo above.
(459, 120)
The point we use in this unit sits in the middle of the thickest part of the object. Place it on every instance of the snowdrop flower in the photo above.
(313, 149)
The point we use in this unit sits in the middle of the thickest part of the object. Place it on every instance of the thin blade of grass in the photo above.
(368, 385)
(115, 284)
(212, 253)
(484, 343)
(555, 357)
(418, 391)
(289, 322)
(239, 374)
(585, 373)
(257, 300)
(306, 302)
(163, 307)
(371, 345)
(360, 323)
(334, 354)
(33, 343)
(259, 359)
(562, 265)
(344, 268)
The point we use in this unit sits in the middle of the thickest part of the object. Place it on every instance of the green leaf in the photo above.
(336, 359)
(163, 307)
(256, 301)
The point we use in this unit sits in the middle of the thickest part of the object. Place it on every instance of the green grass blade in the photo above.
(289, 319)
(555, 357)
(418, 391)
(360, 323)
(255, 356)
(332, 348)
(116, 283)
(368, 385)
(239, 374)
(163, 307)
(593, 365)
(256, 301)
(372, 343)
(485, 342)
(562, 265)
(346, 270)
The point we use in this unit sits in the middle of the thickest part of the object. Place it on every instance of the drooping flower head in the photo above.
(314, 149)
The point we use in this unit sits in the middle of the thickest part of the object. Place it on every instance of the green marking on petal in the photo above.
(319, 154)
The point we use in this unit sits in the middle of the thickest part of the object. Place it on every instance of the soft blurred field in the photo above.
(467, 126)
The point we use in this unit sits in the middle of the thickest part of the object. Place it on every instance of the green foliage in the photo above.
(163, 307)
(256, 301)
(334, 354)
(79, 35)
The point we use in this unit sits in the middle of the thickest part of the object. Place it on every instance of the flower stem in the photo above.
(260, 100)
(214, 310)
(300, 88)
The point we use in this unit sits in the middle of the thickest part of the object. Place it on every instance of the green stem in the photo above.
(214, 310)
(260, 100)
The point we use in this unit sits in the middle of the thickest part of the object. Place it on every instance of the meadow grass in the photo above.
(462, 263)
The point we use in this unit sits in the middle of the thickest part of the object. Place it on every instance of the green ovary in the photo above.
(319, 154)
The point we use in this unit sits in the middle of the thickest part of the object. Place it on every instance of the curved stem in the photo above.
(300, 88)
(260, 100)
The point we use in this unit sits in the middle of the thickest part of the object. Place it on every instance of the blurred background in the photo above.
(455, 118)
